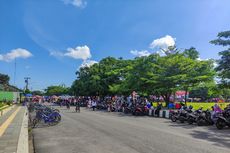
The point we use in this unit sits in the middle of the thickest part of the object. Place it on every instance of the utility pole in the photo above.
(27, 82)
(14, 71)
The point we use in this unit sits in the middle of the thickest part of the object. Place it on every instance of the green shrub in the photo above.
(8, 102)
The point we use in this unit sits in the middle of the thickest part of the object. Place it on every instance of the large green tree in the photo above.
(205, 91)
(137, 78)
(154, 74)
(4, 79)
(223, 67)
(37, 92)
(169, 74)
(191, 53)
(103, 78)
(56, 90)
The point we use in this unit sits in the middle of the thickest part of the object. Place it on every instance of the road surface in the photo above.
(103, 132)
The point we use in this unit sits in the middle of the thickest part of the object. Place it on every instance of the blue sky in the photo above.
(50, 39)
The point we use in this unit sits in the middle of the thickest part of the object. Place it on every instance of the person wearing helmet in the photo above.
(217, 108)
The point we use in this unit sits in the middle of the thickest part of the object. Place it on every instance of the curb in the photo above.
(162, 113)
(23, 142)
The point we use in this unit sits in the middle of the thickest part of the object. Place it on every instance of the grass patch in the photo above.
(197, 105)
(4, 105)
(1, 105)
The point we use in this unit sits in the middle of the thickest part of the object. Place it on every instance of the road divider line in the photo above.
(4, 126)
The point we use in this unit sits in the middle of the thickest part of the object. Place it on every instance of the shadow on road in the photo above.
(43, 125)
(219, 138)
(210, 133)
(183, 125)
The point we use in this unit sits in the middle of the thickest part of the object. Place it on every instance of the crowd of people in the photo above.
(112, 103)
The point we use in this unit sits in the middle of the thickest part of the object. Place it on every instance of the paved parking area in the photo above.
(103, 132)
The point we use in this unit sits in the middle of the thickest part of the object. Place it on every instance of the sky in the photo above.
(48, 40)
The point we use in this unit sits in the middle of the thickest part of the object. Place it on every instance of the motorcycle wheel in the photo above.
(190, 120)
(58, 118)
(181, 119)
(200, 122)
(173, 118)
(220, 124)
(211, 122)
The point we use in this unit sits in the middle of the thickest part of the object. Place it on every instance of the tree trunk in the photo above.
(167, 98)
(185, 96)
(174, 97)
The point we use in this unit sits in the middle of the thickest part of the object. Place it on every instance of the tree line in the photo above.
(157, 75)
(153, 75)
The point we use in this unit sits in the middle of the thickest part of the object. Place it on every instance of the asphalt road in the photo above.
(103, 132)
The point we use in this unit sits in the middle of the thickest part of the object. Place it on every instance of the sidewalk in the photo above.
(13, 128)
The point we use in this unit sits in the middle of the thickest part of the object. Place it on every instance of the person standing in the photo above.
(67, 104)
(94, 104)
(78, 106)
(89, 103)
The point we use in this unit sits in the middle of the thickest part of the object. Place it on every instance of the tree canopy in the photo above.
(154, 74)
(223, 67)
(4, 79)
(56, 90)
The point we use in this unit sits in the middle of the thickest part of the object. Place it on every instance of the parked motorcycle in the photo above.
(101, 106)
(204, 118)
(140, 110)
(223, 120)
(181, 115)
(128, 110)
(192, 117)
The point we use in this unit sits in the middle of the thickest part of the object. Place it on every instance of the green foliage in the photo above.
(27, 91)
(103, 78)
(223, 39)
(224, 68)
(225, 93)
(205, 91)
(2, 104)
(4, 79)
(56, 90)
(176, 71)
(191, 53)
(9, 102)
(155, 74)
(170, 50)
(37, 92)
(224, 63)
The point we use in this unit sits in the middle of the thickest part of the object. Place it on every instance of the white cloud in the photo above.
(88, 63)
(15, 53)
(215, 63)
(80, 52)
(140, 53)
(163, 42)
(76, 3)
